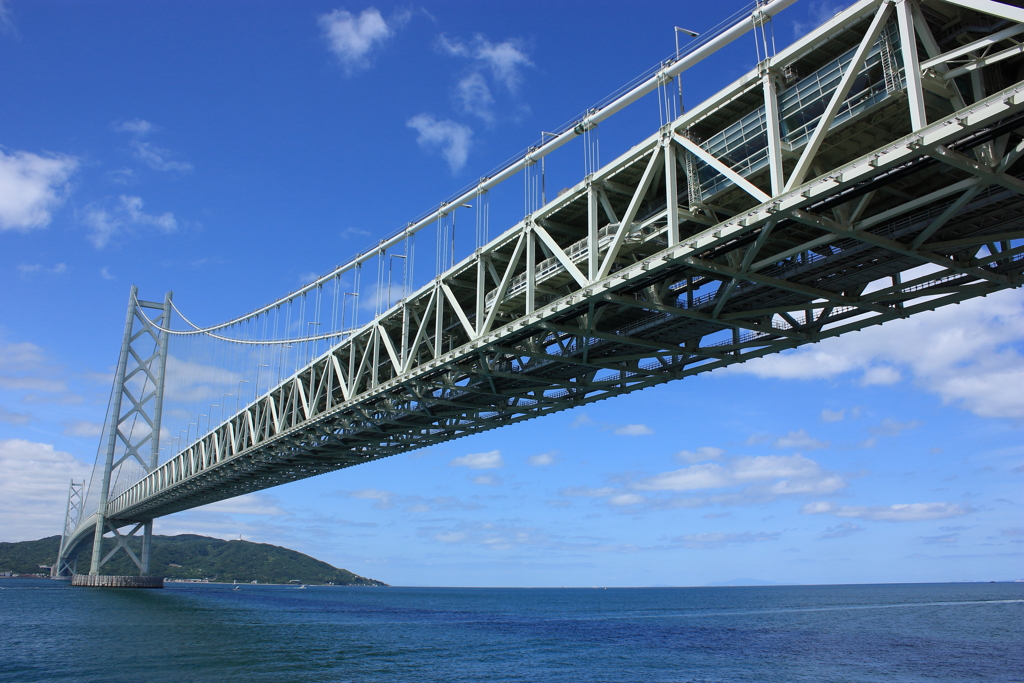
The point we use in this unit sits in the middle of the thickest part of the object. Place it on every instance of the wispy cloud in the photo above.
(890, 427)
(34, 488)
(542, 459)
(388, 500)
(800, 440)
(25, 368)
(841, 530)
(833, 415)
(352, 38)
(135, 127)
(967, 354)
(451, 139)
(479, 461)
(12, 418)
(503, 62)
(633, 430)
(638, 429)
(789, 474)
(941, 539)
(83, 428)
(818, 13)
(125, 217)
(31, 188)
(27, 269)
(719, 539)
(702, 454)
(157, 158)
(474, 96)
(901, 512)
(736, 481)
(6, 23)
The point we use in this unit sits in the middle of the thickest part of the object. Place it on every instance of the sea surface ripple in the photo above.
(209, 632)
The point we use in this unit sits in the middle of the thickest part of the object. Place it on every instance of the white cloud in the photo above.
(452, 139)
(581, 420)
(800, 440)
(474, 96)
(479, 461)
(249, 504)
(156, 157)
(486, 480)
(34, 488)
(13, 418)
(943, 539)
(890, 427)
(624, 499)
(83, 428)
(387, 500)
(541, 460)
(967, 354)
(883, 375)
(841, 530)
(833, 415)
(761, 478)
(818, 13)
(29, 383)
(351, 38)
(32, 268)
(695, 477)
(505, 59)
(586, 492)
(384, 500)
(125, 217)
(375, 297)
(718, 539)
(135, 127)
(153, 156)
(701, 454)
(25, 368)
(901, 512)
(21, 356)
(105, 274)
(190, 381)
(5, 16)
(633, 430)
(450, 537)
(31, 188)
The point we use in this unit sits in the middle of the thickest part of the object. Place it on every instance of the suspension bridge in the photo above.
(867, 172)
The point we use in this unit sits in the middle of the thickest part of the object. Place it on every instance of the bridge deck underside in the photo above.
(535, 323)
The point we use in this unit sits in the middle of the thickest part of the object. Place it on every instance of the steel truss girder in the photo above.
(652, 292)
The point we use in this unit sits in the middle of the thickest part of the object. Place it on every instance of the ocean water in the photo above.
(189, 632)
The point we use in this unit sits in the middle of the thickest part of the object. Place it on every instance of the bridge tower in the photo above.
(130, 446)
(65, 565)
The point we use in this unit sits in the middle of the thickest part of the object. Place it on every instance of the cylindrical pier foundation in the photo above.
(117, 581)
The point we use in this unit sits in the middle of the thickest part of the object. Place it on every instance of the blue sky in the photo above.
(228, 151)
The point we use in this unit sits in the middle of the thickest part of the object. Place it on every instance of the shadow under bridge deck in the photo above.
(847, 182)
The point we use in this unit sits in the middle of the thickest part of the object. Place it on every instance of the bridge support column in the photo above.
(133, 425)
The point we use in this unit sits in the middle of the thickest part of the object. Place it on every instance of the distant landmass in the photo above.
(191, 557)
(745, 582)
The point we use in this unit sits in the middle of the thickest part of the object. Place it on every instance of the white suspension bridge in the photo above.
(869, 171)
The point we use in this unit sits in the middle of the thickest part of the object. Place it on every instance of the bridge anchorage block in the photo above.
(89, 581)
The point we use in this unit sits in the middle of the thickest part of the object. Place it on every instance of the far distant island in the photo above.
(191, 557)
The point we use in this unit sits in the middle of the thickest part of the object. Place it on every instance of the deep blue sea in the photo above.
(209, 632)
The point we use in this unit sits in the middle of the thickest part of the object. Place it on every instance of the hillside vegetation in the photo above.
(192, 557)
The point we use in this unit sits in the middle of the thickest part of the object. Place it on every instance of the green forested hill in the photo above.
(192, 557)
